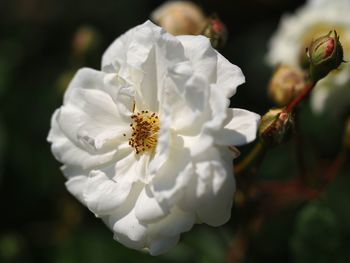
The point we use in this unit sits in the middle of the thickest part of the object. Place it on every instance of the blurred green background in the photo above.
(40, 50)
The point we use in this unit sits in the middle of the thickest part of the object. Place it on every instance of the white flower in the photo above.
(295, 32)
(146, 142)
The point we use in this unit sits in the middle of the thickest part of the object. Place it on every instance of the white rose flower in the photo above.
(295, 32)
(146, 143)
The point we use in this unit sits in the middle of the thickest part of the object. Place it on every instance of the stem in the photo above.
(309, 86)
(241, 166)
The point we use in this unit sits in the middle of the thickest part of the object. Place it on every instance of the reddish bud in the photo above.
(325, 54)
(216, 31)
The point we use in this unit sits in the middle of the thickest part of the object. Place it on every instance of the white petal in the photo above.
(229, 76)
(123, 222)
(90, 79)
(76, 186)
(214, 121)
(165, 233)
(241, 128)
(187, 102)
(162, 52)
(129, 231)
(77, 180)
(201, 55)
(69, 153)
(115, 53)
(106, 191)
(169, 182)
(146, 53)
(92, 112)
(216, 187)
(147, 209)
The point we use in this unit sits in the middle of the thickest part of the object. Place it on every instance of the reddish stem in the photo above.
(309, 86)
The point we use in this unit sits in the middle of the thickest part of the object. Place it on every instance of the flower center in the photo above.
(145, 127)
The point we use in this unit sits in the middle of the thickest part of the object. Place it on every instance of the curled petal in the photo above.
(240, 128)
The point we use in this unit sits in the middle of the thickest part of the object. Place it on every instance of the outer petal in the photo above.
(107, 190)
(90, 79)
(76, 186)
(240, 129)
(147, 209)
(126, 227)
(201, 55)
(94, 124)
(229, 76)
(130, 232)
(209, 63)
(90, 107)
(165, 233)
(216, 187)
(77, 180)
(71, 154)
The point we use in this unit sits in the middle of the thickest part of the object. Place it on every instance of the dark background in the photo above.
(41, 222)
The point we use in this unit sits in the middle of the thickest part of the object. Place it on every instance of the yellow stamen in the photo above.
(145, 126)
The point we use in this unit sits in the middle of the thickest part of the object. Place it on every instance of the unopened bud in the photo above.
(274, 126)
(85, 40)
(180, 18)
(286, 83)
(325, 54)
(216, 31)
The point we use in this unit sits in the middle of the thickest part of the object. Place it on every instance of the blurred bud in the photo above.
(85, 40)
(325, 54)
(180, 18)
(347, 135)
(286, 83)
(274, 126)
(216, 31)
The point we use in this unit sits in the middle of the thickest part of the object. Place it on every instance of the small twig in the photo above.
(249, 159)
(308, 87)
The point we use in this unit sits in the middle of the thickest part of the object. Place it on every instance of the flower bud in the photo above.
(274, 126)
(286, 83)
(85, 40)
(216, 31)
(180, 18)
(325, 54)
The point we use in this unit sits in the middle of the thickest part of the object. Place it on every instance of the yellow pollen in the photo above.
(144, 135)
